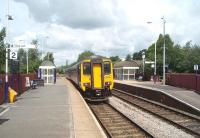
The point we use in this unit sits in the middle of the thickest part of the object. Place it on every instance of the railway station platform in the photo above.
(49, 112)
(188, 97)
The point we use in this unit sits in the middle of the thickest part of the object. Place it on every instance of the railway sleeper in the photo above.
(125, 132)
(123, 127)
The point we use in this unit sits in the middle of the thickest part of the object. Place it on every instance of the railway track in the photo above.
(115, 124)
(185, 121)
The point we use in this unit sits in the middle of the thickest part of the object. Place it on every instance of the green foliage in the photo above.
(189, 56)
(159, 48)
(138, 55)
(33, 59)
(115, 59)
(49, 56)
(61, 69)
(148, 72)
(22, 60)
(2, 49)
(84, 55)
(128, 57)
(178, 58)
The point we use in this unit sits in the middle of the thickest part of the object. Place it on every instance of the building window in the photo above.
(86, 68)
(131, 71)
(107, 69)
(125, 71)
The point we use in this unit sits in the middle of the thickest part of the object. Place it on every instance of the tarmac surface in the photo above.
(47, 112)
(188, 96)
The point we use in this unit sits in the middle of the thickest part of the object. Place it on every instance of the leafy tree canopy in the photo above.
(138, 55)
(128, 57)
(115, 59)
(84, 55)
(2, 49)
(49, 56)
(33, 58)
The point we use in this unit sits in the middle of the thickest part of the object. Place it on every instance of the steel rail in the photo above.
(115, 123)
(188, 122)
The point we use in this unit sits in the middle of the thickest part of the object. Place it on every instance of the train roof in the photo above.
(88, 58)
(95, 57)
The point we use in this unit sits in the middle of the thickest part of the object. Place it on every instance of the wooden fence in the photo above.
(15, 81)
(184, 80)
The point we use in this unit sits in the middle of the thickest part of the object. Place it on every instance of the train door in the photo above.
(97, 76)
(79, 75)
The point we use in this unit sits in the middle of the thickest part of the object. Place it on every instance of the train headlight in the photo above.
(87, 84)
(107, 83)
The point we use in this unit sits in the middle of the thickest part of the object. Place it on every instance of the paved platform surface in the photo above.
(1, 109)
(54, 111)
(187, 96)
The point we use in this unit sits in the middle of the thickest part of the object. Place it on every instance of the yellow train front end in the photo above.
(96, 78)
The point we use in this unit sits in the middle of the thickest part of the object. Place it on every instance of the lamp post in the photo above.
(143, 57)
(164, 21)
(47, 37)
(8, 17)
(154, 55)
(27, 61)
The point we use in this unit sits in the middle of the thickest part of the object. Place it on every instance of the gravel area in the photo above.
(155, 126)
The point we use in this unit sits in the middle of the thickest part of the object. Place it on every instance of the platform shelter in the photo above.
(47, 72)
(125, 70)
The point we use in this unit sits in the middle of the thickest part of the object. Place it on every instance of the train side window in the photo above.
(107, 69)
(86, 68)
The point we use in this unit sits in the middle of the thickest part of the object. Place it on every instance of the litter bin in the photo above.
(12, 95)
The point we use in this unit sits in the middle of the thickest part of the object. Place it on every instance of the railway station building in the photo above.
(47, 72)
(126, 70)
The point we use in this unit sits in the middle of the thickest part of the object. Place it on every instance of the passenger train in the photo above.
(94, 76)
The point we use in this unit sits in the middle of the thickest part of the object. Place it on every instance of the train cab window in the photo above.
(86, 68)
(107, 69)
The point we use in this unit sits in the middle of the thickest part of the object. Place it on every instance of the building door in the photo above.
(48, 76)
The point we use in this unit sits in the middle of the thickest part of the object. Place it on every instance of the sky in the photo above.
(105, 27)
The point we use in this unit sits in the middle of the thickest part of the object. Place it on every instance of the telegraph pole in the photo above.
(164, 21)
(8, 17)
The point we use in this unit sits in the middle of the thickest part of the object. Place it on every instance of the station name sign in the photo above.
(24, 46)
(13, 49)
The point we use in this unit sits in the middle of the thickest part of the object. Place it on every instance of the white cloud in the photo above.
(107, 28)
(87, 14)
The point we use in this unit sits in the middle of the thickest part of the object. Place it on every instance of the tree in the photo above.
(49, 56)
(34, 57)
(169, 52)
(61, 69)
(115, 59)
(84, 55)
(138, 55)
(178, 56)
(2, 49)
(128, 57)
(189, 57)
(22, 60)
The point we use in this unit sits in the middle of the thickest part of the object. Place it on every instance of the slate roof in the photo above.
(132, 63)
(47, 63)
